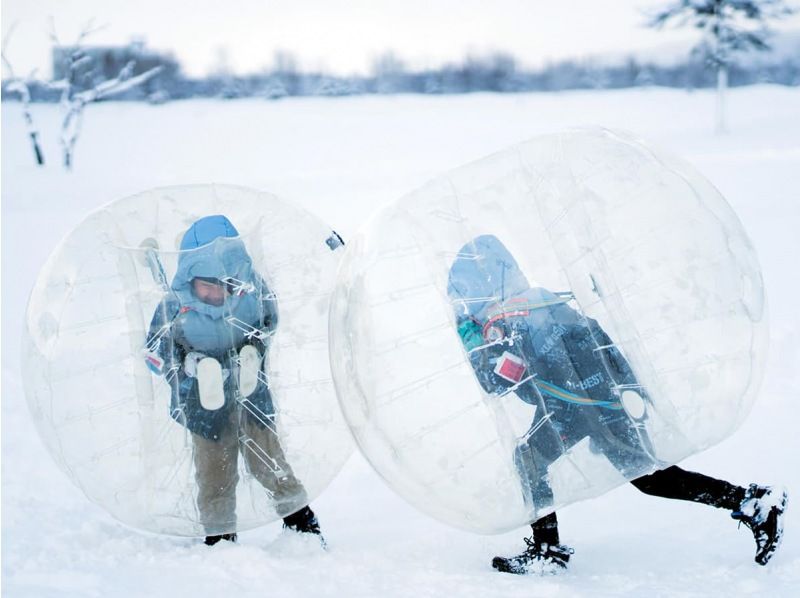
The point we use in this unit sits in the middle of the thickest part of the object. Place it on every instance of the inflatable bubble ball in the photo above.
(541, 325)
(176, 359)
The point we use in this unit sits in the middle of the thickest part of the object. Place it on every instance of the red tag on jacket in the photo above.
(510, 367)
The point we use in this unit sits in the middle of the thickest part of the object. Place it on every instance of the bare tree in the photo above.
(20, 86)
(728, 27)
(74, 99)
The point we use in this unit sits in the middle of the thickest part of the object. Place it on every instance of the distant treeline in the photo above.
(496, 73)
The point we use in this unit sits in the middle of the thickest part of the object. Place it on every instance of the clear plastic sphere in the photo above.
(176, 359)
(544, 324)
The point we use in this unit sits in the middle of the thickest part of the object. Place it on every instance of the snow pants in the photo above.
(216, 465)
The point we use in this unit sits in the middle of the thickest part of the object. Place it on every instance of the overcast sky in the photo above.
(343, 36)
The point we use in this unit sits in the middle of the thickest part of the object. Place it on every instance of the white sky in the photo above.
(343, 36)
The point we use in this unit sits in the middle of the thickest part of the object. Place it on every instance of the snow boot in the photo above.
(304, 522)
(211, 540)
(762, 511)
(539, 558)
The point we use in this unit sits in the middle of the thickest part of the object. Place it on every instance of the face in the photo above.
(209, 292)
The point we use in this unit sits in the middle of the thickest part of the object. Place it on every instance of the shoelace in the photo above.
(543, 550)
(531, 544)
(751, 521)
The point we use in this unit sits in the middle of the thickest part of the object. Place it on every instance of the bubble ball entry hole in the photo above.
(176, 359)
(543, 324)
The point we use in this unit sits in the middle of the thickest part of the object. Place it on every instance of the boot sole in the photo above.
(764, 557)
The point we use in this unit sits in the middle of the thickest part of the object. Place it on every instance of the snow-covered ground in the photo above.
(342, 158)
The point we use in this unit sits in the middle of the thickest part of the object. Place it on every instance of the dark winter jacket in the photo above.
(211, 249)
(498, 312)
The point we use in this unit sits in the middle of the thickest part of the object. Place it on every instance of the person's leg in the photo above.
(676, 483)
(620, 440)
(538, 449)
(266, 461)
(543, 552)
(216, 464)
(545, 530)
(532, 468)
(760, 508)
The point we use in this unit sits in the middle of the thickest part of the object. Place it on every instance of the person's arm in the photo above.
(161, 353)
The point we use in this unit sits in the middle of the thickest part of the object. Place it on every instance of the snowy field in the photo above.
(342, 158)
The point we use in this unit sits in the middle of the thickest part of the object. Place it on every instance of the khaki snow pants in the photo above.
(216, 465)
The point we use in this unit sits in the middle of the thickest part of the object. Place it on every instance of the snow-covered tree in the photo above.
(728, 27)
(74, 99)
(21, 86)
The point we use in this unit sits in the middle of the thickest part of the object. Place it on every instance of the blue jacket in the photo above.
(497, 310)
(182, 323)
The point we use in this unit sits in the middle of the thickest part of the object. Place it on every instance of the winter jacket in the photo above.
(497, 312)
(182, 323)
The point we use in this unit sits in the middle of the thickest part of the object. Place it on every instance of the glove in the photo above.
(190, 363)
(471, 334)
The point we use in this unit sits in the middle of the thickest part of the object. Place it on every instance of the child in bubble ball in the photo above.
(529, 341)
(208, 337)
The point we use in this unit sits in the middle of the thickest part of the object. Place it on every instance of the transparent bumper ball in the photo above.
(544, 324)
(176, 359)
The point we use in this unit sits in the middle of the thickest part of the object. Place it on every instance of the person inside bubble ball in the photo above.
(208, 338)
(529, 341)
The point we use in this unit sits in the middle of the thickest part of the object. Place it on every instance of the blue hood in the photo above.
(211, 248)
(483, 273)
(205, 230)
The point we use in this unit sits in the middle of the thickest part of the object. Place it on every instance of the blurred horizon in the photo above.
(350, 38)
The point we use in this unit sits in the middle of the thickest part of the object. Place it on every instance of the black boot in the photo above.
(542, 559)
(544, 554)
(211, 540)
(762, 511)
(304, 522)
